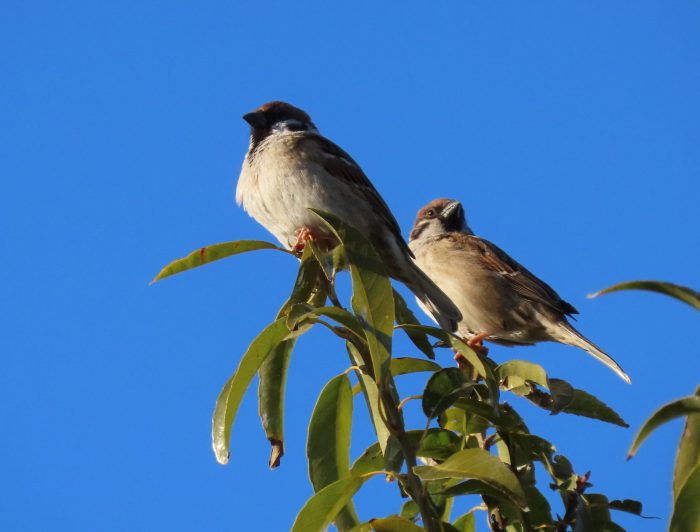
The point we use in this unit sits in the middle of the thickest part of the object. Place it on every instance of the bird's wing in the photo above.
(518, 277)
(340, 165)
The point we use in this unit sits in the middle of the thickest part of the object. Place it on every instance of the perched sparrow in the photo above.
(500, 300)
(290, 167)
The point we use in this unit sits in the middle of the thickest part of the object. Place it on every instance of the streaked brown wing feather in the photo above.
(520, 278)
(339, 164)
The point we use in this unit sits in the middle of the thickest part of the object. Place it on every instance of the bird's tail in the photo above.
(432, 299)
(571, 336)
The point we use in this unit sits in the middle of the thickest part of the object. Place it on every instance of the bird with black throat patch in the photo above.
(499, 299)
(290, 168)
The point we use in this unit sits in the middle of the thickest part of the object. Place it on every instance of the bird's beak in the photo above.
(255, 119)
(451, 210)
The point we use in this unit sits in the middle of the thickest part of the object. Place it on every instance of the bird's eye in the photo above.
(430, 213)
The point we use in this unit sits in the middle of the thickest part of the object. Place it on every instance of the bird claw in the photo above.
(303, 234)
(477, 344)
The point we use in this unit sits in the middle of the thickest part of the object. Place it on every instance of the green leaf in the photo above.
(212, 253)
(682, 293)
(480, 465)
(475, 487)
(230, 397)
(371, 395)
(328, 444)
(395, 524)
(404, 315)
(673, 410)
(273, 380)
(372, 299)
(405, 365)
(438, 444)
(628, 505)
(457, 344)
(409, 510)
(686, 510)
(688, 451)
(303, 312)
(466, 523)
(584, 404)
(321, 509)
(540, 515)
(517, 372)
(443, 388)
(370, 460)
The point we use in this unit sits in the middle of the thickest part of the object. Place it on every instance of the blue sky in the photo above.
(569, 130)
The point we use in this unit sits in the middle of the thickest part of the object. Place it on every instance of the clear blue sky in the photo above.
(570, 130)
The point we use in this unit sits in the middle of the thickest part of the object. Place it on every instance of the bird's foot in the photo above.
(303, 234)
(477, 344)
(462, 363)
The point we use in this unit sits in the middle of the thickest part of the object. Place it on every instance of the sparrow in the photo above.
(500, 300)
(290, 168)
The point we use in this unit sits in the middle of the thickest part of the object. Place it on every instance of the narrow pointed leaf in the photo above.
(395, 524)
(585, 404)
(321, 509)
(477, 464)
(371, 395)
(673, 410)
(212, 253)
(303, 312)
(405, 365)
(370, 460)
(273, 381)
(328, 444)
(372, 299)
(230, 397)
(686, 510)
(682, 293)
(688, 451)
(404, 315)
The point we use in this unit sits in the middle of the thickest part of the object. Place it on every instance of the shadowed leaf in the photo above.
(212, 253)
(404, 315)
(682, 293)
(443, 388)
(466, 523)
(676, 409)
(395, 524)
(628, 505)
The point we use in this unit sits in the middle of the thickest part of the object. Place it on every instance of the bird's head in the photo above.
(278, 117)
(438, 217)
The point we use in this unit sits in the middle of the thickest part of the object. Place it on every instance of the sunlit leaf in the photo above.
(686, 510)
(230, 397)
(480, 465)
(321, 509)
(372, 299)
(212, 253)
(370, 460)
(395, 524)
(688, 451)
(328, 443)
(405, 365)
(302, 312)
(443, 388)
(404, 315)
(515, 372)
(673, 410)
(682, 293)
(466, 523)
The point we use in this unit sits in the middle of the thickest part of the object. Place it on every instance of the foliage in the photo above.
(473, 441)
(686, 477)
